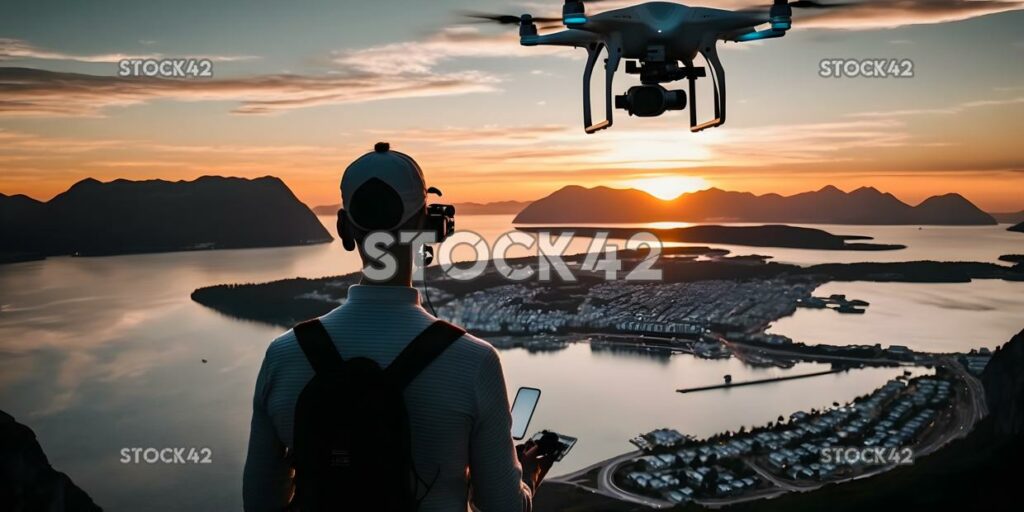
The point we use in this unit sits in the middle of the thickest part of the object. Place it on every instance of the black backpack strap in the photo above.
(316, 344)
(423, 349)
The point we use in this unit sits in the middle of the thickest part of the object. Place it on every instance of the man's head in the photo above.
(381, 191)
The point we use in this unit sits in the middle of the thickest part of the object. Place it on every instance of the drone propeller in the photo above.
(506, 19)
(542, 21)
(810, 4)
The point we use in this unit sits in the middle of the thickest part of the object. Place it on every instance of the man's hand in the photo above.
(535, 461)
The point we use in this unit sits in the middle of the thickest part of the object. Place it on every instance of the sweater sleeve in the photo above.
(266, 483)
(493, 466)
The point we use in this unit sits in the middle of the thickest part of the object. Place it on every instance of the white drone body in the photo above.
(659, 41)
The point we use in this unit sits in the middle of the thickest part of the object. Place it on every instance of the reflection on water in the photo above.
(100, 354)
(938, 243)
(944, 317)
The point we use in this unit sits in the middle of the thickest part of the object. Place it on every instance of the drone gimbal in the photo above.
(651, 99)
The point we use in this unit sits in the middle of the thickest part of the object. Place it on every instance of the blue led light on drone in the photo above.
(576, 20)
(781, 23)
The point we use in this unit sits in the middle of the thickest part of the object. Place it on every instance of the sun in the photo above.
(669, 187)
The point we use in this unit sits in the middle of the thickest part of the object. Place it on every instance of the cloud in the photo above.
(452, 43)
(37, 92)
(898, 13)
(955, 109)
(482, 135)
(17, 49)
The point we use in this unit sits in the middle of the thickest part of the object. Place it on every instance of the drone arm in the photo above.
(561, 38)
(755, 35)
(781, 19)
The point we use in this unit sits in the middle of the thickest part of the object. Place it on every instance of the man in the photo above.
(457, 405)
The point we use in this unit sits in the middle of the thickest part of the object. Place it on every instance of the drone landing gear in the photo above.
(710, 53)
(651, 99)
(611, 64)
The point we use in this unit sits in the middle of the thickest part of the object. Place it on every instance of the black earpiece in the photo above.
(428, 255)
(348, 239)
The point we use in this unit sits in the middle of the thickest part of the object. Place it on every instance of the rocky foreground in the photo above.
(28, 482)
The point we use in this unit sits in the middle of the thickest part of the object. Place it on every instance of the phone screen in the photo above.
(522, 410)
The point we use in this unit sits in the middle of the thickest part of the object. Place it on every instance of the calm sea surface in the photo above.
(100, 354)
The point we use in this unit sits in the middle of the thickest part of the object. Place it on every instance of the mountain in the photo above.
(756, 236)
(866, 205)
(495, 208)
(1009, 217)
(574, 203)
(94, 218)
(1018, 228)
(326, 209)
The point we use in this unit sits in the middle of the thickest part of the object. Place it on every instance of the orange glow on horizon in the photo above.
(668, 187)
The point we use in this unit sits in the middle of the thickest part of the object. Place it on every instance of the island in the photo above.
(1017, 259)
(829, 205)
(757, 236)
(94, 218)
(748, 293)
(1019, 228)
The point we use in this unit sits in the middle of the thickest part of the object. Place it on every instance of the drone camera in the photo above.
(650, 100)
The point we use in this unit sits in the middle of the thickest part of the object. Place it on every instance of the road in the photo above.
(606, 481)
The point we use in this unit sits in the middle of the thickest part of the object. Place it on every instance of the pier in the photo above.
(759, 381)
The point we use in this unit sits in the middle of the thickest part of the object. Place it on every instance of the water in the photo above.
(945, 317)
(937, 243)
(606, 399)
(100, 354)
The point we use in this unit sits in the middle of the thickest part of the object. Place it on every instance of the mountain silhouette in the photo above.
(495, 208)
(829, 205)
(94, 218)
(1009, 217)
(1018, 228)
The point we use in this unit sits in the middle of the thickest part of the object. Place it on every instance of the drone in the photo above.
(653, 39)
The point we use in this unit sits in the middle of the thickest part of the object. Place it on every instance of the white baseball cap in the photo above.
(379, 171)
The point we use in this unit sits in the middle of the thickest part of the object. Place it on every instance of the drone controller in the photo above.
(553, 443)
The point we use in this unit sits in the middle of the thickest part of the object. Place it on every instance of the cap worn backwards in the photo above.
(381, 190)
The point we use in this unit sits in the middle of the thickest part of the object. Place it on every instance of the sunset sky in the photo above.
(302, 88)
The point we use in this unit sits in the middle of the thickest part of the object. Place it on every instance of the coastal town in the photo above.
(685, 308)
(911, 415)
(901, 415)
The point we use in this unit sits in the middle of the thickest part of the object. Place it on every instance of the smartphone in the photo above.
(564, 443)
(522, 410)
